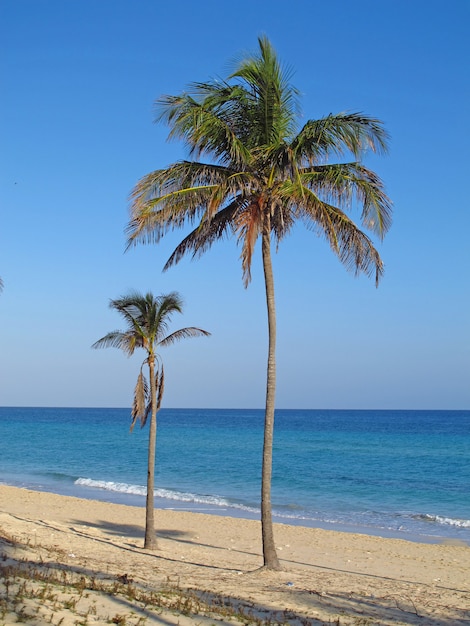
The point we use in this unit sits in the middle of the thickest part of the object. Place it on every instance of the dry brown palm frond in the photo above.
(144, 418)
(160, 385)
(249, 224)
(140, 400)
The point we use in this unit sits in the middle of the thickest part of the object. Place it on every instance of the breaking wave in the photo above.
(167, 494)
(444, 521)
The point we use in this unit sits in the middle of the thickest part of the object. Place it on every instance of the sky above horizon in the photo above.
(79, 79)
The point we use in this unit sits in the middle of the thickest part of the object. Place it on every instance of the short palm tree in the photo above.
(147, 319)
(263, 174)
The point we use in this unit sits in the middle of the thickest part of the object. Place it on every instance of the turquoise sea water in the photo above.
(393, 473)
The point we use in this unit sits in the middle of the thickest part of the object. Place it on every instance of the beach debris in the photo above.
(124, 579)
(289, 584)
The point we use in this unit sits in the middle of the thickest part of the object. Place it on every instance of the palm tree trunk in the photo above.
(150, 542)
(271, 560)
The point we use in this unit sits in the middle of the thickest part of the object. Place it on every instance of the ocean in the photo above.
(389, 473)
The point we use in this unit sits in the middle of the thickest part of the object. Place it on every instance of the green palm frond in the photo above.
(125, 341)
(347, 184)
(338, 134)
(183, 333)
(162, 203)
(273, 106)
(202, 237)
(166, 307)
(353, 247)
(206, 122)
(114, 339)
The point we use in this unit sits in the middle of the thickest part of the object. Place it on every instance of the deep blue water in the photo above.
(395, 473)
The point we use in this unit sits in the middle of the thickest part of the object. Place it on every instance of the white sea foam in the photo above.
(215, 501)
(140, 490)
(446, 521)
(112, 486)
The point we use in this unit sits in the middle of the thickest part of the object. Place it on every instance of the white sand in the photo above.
(327, 575)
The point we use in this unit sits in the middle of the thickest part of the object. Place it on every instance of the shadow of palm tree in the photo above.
(129, 530)
(137, 532)
(110, 528)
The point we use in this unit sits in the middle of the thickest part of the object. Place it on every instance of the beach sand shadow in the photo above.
(131, 531)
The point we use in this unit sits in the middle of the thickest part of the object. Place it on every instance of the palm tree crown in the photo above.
(266, 172)
(147, 319)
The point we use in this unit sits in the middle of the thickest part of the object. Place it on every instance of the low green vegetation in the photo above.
(47, 591)
(38, 588)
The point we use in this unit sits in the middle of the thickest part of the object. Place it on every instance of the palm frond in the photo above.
(183, 175)
(141, 393)
(338, 134)
(125, 341)
(184, 333)
(353, 247)
(164, 202)
(160, 386)
(248, 225)
(206, 122)
(144, 418)
(201, 238)
(282, 217)
(166, 306)
(132, 307)
(346, 183)
(272, 108)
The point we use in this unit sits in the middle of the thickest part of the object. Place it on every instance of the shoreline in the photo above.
(126, 499)
(327, 574)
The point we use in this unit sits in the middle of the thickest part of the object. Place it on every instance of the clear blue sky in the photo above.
(78, 82)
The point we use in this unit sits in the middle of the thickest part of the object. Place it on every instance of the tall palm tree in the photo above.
(147, 319)
(263, 173)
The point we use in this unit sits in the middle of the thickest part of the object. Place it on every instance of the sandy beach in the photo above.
(72, 561)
